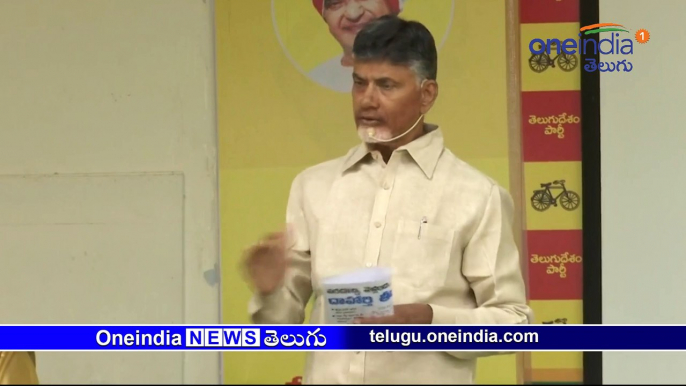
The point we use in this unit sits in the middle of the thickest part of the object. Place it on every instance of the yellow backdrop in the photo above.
(274, 121)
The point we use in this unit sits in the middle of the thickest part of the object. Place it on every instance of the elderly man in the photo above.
(400, 199)
(345, 18)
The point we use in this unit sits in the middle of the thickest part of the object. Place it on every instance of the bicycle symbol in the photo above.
(540, 62)
(543, 198)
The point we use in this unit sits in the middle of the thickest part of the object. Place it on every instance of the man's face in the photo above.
(347, 17)
(386, 98)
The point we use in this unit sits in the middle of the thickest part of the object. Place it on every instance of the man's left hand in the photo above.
(403, 314)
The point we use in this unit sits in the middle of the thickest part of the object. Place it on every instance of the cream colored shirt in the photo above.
(356, 211)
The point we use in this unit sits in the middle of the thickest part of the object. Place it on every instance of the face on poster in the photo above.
(318, 35)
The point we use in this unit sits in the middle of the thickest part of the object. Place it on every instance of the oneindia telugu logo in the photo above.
(565, 54)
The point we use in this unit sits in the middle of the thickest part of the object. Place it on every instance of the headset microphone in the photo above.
(370, 132)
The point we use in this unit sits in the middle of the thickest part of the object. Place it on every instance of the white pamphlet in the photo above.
(363, 293)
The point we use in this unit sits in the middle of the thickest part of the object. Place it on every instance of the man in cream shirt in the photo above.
(402, 200)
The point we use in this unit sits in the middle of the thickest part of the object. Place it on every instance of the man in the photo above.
(345, 18)
(401, 200)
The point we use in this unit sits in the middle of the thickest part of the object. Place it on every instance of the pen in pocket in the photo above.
(421, 223)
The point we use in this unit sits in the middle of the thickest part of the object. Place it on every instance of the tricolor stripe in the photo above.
(609, 27)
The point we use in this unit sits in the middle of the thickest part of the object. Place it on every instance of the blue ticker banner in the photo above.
(507, 338)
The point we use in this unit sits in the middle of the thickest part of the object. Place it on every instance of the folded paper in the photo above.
(362, 293)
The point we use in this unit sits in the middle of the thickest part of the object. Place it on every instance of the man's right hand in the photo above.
(266, 262)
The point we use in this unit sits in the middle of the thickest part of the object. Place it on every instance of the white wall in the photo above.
(643, 181)
(111, 86)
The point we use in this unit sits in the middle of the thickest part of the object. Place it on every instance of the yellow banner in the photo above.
(284, 105)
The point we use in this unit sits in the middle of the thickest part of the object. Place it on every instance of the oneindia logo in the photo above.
(554, 52)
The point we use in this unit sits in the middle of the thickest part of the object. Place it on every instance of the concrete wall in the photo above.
(109, 101)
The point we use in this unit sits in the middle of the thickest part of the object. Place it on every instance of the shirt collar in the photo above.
(425, 150)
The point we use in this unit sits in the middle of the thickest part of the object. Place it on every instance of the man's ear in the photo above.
(429, 94)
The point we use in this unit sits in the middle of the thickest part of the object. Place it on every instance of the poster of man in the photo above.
(345, 18)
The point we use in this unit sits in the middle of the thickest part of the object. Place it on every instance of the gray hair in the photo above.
(401, 42)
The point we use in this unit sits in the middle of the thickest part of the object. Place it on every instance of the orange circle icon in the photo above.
(642, 36)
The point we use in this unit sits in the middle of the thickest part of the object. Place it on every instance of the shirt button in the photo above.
(386, 186)
(369, 265)
(377, 224)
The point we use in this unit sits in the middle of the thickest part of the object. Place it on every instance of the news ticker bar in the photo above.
(511, 338)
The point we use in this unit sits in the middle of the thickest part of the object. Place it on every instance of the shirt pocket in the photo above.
(422, 259)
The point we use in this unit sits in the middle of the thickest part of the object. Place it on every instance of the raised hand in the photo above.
(266, 262)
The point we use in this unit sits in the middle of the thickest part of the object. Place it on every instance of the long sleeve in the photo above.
(286, 305)
(491, 264)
